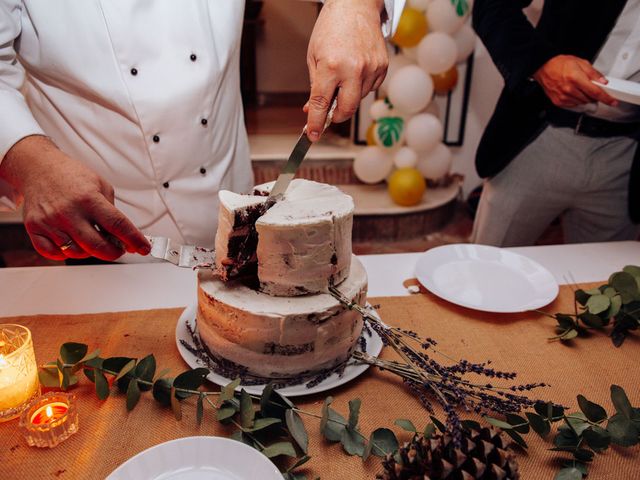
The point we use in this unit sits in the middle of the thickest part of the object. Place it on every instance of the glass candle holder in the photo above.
(50, 419)
(18, 371)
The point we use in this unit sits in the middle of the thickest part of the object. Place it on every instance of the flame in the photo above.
(49, 411)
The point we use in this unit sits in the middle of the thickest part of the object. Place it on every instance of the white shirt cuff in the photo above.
(16, 121)
(394, 11)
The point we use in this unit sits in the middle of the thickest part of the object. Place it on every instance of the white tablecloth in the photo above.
(104, 288)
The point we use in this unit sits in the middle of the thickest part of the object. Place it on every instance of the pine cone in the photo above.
(482, 456)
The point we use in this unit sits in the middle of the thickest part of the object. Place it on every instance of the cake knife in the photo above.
(295, 159)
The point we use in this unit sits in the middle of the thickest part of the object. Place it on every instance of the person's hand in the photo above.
(65, 203)
(346, 51)
(567, 81)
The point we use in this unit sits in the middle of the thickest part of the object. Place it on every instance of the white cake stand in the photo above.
(374, 347)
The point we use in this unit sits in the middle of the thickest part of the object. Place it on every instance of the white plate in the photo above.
(374, 347)
(198, 458)
(486, 278)
(623, 90)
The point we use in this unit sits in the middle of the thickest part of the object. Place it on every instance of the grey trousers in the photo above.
(583, 179)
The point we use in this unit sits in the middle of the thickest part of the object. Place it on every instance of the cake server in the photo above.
(187, 256)
(295, 159)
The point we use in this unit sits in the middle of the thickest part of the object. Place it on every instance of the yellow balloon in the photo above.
(446, 81)
(371, 134)
(407, 186)
(412, 27)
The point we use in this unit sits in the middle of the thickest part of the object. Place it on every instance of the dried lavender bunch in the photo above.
(458, 385)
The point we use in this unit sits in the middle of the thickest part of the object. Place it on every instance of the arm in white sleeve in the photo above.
(16, 120)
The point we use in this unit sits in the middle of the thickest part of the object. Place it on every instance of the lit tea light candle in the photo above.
(18, 371)
(50, 419)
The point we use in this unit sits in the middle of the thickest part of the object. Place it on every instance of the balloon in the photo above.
(371, 134)
(396, 62)
(420, 5)
(412, 26)
(446, 81)
(405, 157)
(436, 164)
(406, 186)
(372, 165)
(379, 109)
(410, 89)
(423, 132)
(437, 52)
(442, 17)
(465, 39)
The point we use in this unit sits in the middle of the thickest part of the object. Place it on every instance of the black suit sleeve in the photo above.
(517, 49)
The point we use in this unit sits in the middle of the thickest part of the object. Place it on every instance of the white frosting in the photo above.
(256, 330)
(304, 240)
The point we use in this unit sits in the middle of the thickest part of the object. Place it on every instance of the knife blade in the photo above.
(295, 159)
(187, 256)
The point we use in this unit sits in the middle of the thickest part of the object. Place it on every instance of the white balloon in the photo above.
(437, 52)
(465, 39)
(379, 109)
(442, 17)
(423, 132)
(410, 89)
(436, 164)
(396, 62)
(420, 5)
(405, 157)
(372, 164)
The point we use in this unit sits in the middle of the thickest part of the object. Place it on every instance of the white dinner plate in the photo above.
(486, 278)
(623, 90)
(198, 458)
(374, 347)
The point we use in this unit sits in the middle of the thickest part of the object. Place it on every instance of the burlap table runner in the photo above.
(109, 436)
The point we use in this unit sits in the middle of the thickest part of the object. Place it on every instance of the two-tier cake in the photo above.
(266, 305)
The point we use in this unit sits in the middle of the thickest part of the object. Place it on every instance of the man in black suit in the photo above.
(558, 144)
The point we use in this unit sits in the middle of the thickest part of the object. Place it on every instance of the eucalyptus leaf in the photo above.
(71, 352)
(146, 370)
(518, 423)
(568, 473)
(623, 431)
(592, 411)
(569, 335)
(548, 410)
(354, 412)
(583, 455)
(225, 413)
(228, 391)
(621, 401)
(190, 380)
(273, 404)
(597, 438)
(247, 413)
(578, 423)
(332, 423)
(352, 442)
(115, 364)
(566, 438)
(633, 270)
(439, 425)
(582, 297)
(609, 292)
(301, 461)
(598, 304)
(102, 385)
(429, 430)
(516, 438)
(161, 391)
(626, 285)
(471, 425)
(616, 305)
(126, 369)
(63, 374)
(498, 423)
(538, 424)
(297, 429)
(591, 320)
(279, 448)
(383, 442)
(133, 395)
(49, 377)
(199, 408)
(406, 425)
(565, 322)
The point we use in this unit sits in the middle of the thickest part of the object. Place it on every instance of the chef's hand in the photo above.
(346, 51)
(64, 200)
(567, 82)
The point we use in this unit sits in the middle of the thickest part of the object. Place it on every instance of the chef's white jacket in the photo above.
(146, 93)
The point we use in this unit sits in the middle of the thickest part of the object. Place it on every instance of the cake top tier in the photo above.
(304, 202)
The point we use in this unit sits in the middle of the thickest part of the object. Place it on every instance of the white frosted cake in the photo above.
(266, 307)
(279, 336)
(302, 244)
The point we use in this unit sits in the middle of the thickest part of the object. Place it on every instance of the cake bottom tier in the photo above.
(278, 337)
